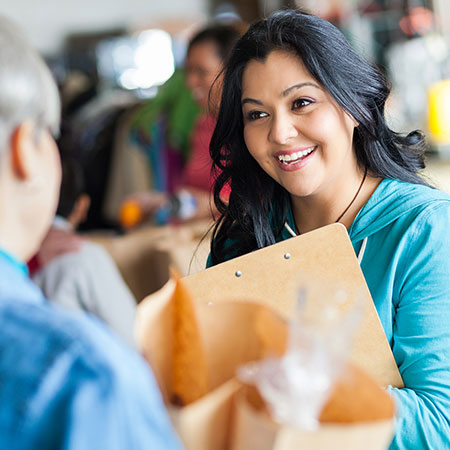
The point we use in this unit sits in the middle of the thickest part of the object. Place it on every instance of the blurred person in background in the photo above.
(88, 278)
(207, 54)
(66, 382)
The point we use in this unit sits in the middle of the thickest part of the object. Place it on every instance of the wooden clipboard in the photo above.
(273, 276)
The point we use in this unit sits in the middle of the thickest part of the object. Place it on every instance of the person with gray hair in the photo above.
(66, 382)
(26, 89)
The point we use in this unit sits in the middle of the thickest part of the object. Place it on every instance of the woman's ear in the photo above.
(354, 120)
(22, 145)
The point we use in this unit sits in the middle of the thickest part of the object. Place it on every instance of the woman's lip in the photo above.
(296, 166)
(293, 150)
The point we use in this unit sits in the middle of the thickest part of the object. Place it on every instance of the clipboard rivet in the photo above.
(287, 256)
(238, 273)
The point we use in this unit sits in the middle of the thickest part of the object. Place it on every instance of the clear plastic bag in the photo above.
(296, 386)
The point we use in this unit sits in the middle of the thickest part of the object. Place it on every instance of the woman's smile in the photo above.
(291, 160)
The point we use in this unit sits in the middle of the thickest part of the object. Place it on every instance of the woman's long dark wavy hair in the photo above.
(258, 205)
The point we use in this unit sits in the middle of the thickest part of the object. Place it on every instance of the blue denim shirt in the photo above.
(66, 382)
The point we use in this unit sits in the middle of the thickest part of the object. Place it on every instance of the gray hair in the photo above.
(27, 88)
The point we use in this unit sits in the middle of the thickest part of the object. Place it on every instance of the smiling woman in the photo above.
(302, 141)
(292, 125)
(293, 84)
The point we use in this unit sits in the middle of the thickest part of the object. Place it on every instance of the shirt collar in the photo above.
(19, 265)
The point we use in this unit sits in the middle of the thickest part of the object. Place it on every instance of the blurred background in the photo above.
(112, 57)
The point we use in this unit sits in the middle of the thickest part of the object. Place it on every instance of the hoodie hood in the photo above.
(384, 206)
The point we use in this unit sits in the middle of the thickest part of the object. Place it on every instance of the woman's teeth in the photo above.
(295, 157)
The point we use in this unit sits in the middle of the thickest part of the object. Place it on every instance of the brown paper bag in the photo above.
(205, 424)
(232, 334)
(254, 430)
(371, 436)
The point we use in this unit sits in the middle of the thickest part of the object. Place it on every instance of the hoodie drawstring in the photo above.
(361, 250)
(290, 230)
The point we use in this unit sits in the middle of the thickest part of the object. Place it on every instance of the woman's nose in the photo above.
(282, 129)
(191, 80)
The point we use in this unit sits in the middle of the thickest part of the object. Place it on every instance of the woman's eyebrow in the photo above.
(298, 86)
(251, 100)
(283, 94)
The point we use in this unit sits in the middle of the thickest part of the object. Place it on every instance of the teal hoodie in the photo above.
(402, 238)
(406, 263)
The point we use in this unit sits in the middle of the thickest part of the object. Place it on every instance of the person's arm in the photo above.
(421, 343)
(186, 204)
(91, 398)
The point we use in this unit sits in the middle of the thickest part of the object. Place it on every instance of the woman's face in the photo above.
(203, 64)
(294, 129)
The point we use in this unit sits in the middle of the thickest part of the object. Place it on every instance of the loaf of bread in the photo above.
(190, 377)
(356, 397)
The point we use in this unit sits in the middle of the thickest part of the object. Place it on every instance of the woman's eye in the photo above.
(255, 115)
(301, 103)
